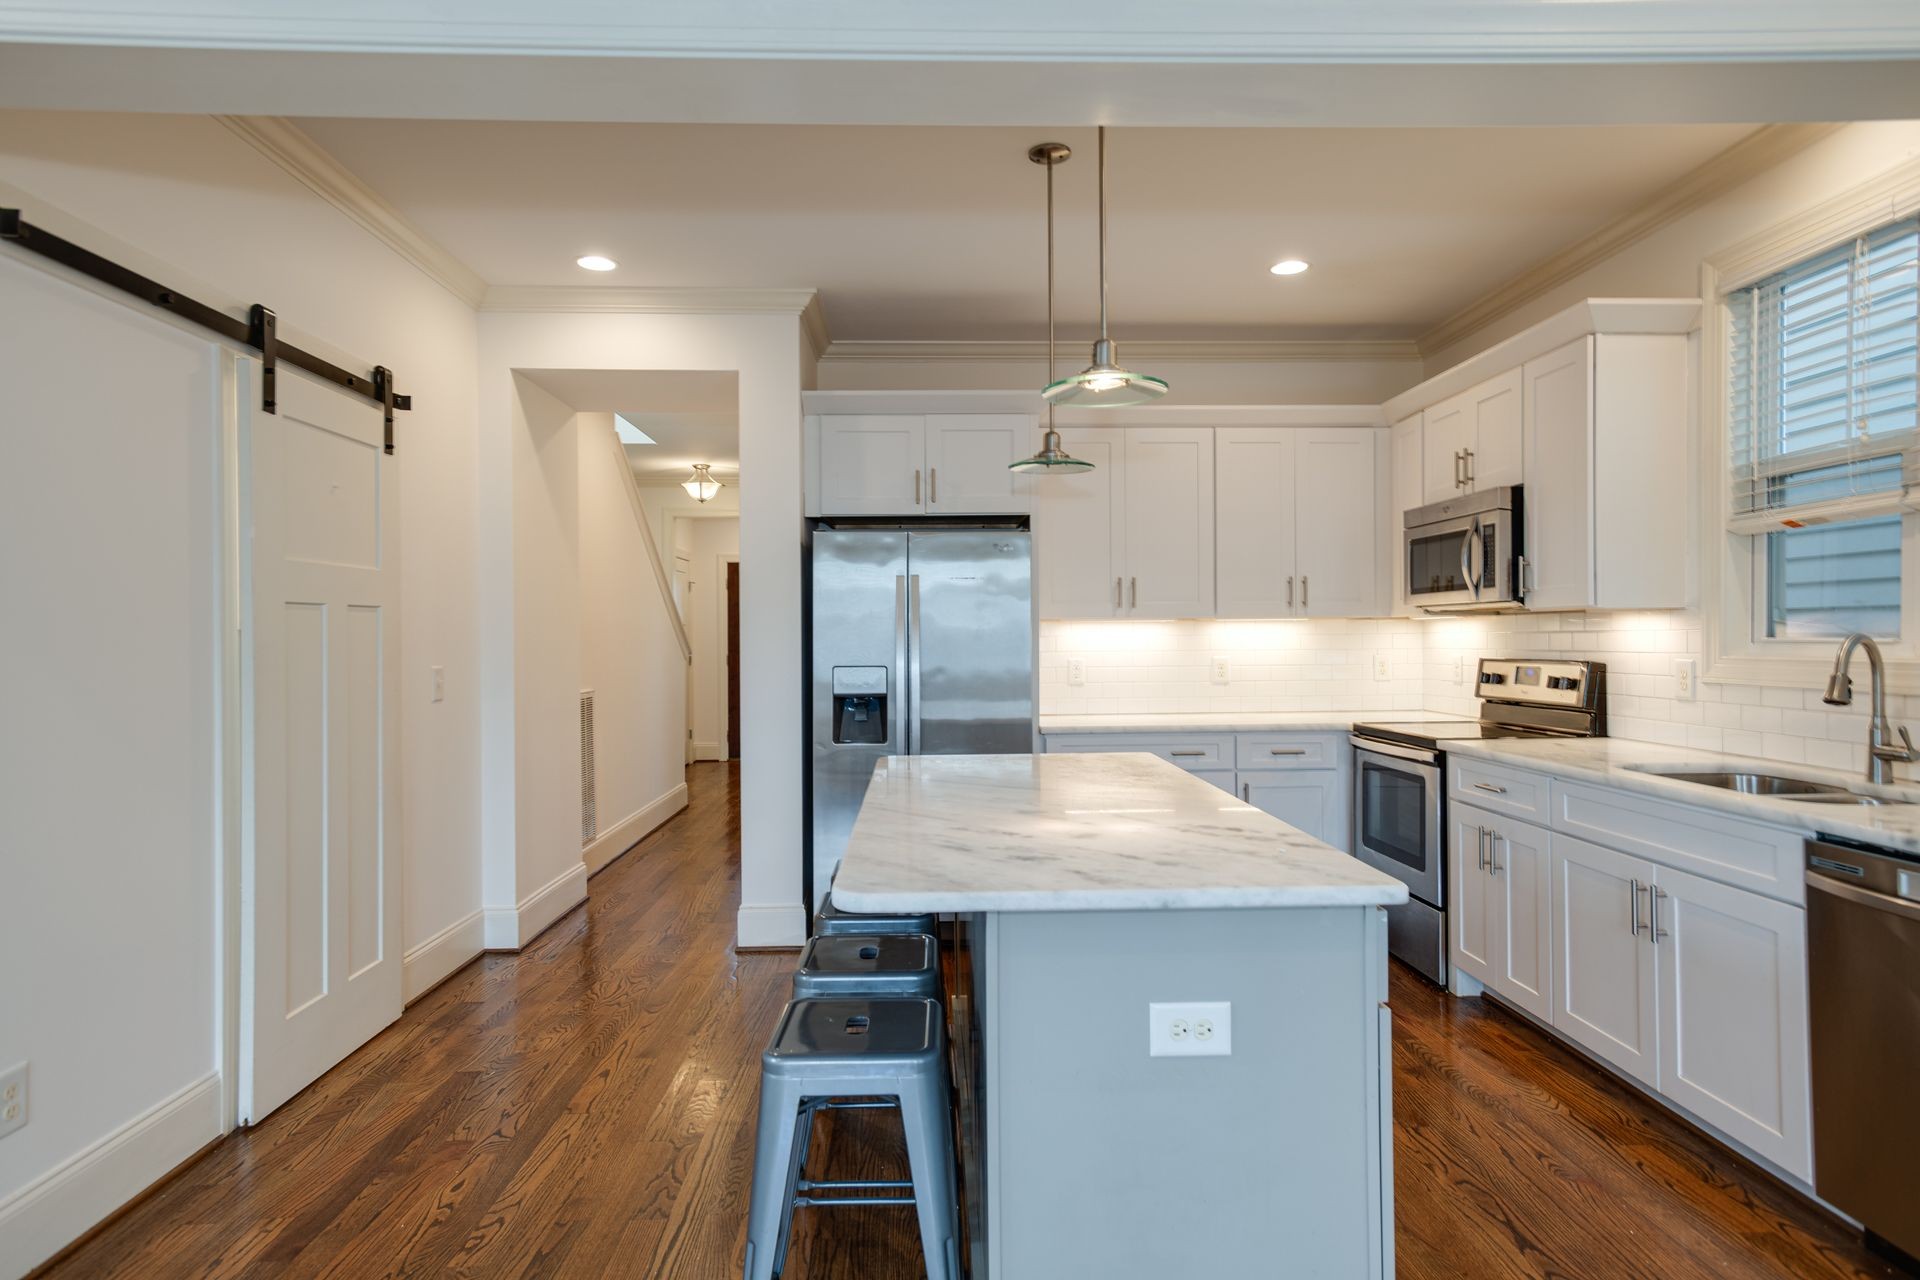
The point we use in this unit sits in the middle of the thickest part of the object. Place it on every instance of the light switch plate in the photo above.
(1076, 671)
(1202, 1029)
(439, 684)
(13, 1098)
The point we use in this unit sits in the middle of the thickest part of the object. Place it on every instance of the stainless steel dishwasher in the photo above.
(1863, 965)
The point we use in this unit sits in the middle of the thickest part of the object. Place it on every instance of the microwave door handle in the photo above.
(1476, 544)
(1466, 558)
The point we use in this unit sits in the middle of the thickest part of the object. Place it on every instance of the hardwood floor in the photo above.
(585, 1108)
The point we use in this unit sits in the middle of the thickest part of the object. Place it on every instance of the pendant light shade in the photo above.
(1052, 459)
(701, 486)
(1103, 382)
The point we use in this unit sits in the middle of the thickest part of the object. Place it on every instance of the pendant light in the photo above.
(700, 486)
(1104, 382)
(1052, 459)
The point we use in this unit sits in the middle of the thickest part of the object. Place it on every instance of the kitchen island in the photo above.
(1097, 1137)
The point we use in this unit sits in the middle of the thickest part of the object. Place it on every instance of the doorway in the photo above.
(733, 659)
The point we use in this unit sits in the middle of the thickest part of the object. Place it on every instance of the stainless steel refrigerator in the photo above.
(921, 644)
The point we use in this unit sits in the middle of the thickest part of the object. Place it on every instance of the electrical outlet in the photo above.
(13, 1098)
(1683, 679)
(1203, 1030)
(1222, 671)
(1459, 669)
(1382, 667)
(1076, 671)
(439, 684)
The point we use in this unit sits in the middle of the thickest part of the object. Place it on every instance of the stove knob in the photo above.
(1562, 682)
(1492, 677)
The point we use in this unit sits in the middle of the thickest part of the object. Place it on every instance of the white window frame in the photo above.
(1733, 622)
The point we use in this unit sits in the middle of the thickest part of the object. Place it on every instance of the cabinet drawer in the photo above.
(1748, 855)
(1289, 750)
(1195, 752)
(1514, 792)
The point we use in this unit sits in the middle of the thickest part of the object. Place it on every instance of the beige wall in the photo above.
(1193, 382)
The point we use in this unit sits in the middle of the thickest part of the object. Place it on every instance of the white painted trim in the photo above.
(1591, 315)
(709, 751)
(593, 299)
(1744, 160)
(1140, 352)
(511, 928)
(283, 143)
(62, 1204)
(770, 925)
(633, 828)
(1892, 195)
(427, 965)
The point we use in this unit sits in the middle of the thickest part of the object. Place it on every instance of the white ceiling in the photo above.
(915, 233)
(692, 415)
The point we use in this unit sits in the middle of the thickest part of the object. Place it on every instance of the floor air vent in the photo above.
(589, 804)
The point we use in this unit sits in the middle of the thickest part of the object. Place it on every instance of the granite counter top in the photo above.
(1231, 721)
(1639, 766)
(1080, 832)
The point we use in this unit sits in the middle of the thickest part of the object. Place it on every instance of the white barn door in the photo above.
(320, 920)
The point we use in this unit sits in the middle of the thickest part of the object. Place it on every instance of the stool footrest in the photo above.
(810, 1202)
(854, 1184)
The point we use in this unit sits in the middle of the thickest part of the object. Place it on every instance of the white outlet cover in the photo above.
(1382, 667)
(1222, 671)
(13, 1098)
(1076, 671)
(1685, 680)
(1190, 1039)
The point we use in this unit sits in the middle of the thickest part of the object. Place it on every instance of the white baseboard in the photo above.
(61, 1205)
(511, 928)
(425, 966)
(771, 925)
(630, 830)
(709, 750)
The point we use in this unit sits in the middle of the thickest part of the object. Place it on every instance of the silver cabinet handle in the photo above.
(933, 486)
(1287, 751)
(1459, 478)
(1654, 894)
(1493, 854)
(1289, 591)
(1118, 599)
(916, 486)
(1303, 591)
(1488, 786)
(1187, 753)
(1133, 593)
(1480, 848)
(1468, 453)
(1246, 792)
(1633, 907)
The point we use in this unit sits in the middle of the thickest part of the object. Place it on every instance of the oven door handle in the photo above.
(1396, 751)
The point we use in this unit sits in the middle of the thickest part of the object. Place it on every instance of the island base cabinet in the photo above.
(1734, 1045)
(1605, 995)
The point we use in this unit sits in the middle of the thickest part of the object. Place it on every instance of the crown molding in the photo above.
(657, 300)
(1143, 351)
(283, 143)
(1753, 155)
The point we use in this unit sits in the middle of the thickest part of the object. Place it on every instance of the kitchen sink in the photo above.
(1776, 785)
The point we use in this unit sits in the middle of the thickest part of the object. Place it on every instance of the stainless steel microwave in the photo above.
(1465, 554)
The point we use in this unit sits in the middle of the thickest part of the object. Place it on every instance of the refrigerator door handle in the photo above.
(913, 664)
(899, 725)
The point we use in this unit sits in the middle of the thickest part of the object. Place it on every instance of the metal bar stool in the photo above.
(832, 922)
(855, 966)
(825, 1049)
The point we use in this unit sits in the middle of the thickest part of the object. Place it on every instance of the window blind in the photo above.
(1823, 385)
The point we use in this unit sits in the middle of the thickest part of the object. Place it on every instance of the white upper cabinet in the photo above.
(1472, 441)
(1608, 473)
(1079, 529)
(967, 459)
(874, 464)
(1297, 522)
(1169, 522)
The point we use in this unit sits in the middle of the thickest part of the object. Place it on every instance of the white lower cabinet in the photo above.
(1605, 990)
(1500, 912)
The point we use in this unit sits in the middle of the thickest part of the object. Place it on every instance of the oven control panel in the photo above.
(1548, 682)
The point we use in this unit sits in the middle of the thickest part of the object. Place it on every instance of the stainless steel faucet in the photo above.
(1882, 752)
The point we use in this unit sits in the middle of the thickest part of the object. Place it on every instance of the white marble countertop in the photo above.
(1638, 766)
(1231, 721)
(1080, 832)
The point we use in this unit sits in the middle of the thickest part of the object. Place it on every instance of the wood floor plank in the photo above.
(586, 1108)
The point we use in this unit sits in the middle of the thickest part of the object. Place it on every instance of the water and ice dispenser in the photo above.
(859, 705)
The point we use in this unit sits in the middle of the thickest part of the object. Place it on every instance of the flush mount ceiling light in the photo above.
(1104, 382)
(1052, 459)
(700, 486)
(1288, 267)
(594, 262)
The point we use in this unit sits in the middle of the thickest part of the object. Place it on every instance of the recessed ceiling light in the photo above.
(1284, 267)
(594, 262)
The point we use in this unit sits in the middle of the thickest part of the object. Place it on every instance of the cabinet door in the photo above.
(1733, 1014)
(1604, 978)
(1078, 527)
(1559, 477)
(1496, 443)
(1406, 495)
(1522, 900)
(967, 459)
(872, 464)
(1304, 800)
(1254, 522)
(1336, 493)
(1168, 482)
(1470, 908)
(1446, 434)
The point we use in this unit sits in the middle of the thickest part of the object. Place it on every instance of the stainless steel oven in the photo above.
(1398, 828)
(1464, 553)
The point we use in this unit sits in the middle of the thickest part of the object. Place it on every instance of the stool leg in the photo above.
(771, 1205)
(803, 1144)
(923, 1114)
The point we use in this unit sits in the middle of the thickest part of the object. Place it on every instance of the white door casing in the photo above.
(320, 915)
